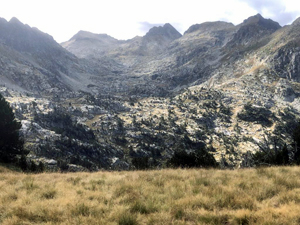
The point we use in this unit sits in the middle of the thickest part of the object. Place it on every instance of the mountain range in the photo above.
(228, 87)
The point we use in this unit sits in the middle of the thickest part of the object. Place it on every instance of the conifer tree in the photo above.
(11, 145)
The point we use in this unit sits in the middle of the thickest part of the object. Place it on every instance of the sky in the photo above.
(125, 19)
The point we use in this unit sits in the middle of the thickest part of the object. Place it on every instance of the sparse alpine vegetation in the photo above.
(193, 196)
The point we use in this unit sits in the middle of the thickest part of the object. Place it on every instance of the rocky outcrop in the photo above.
(253, 33)
(285, 90)
(286, 63)
(158, 38)
(163, 32)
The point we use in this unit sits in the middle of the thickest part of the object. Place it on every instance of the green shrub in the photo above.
(141, 163)
(49, 194)
(61, 122)
(260, 115)
(198, 158)
(127, 219)
(81, 210)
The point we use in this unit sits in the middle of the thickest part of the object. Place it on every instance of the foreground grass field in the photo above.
(249, 196)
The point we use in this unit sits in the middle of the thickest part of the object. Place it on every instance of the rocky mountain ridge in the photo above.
(105, 103)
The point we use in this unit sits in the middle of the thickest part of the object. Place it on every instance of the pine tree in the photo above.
(11, 145)
(296, 139)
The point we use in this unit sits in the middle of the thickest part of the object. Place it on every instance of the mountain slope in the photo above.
(32, 61)
(165, 59)
(221, 88)
(249, 67)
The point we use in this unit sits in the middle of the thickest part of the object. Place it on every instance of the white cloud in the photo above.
(281, 11)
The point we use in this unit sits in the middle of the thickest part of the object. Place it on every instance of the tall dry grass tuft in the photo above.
(194, 196)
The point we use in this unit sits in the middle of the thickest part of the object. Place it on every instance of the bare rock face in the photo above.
(284, 52)
(260, 21)
(24, 38)
(286, 63)
(158, 38)
(285, 91)
(167, 31)
(253, 32)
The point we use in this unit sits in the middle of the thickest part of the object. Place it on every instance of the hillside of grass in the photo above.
(193, 196)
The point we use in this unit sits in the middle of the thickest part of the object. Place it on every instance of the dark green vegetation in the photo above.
(282, 146)
(62, 123)
(197, 158)
(77, 143)
(11, 145)
(259, 115)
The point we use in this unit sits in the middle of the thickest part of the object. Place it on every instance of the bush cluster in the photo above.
(260, 115)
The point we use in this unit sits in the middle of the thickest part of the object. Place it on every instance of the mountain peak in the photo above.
(86, 35)
(14, 20)
(82, 34)
(168, 26)
(209, 26)
(253, 19)
(261, 21)
(167, 31)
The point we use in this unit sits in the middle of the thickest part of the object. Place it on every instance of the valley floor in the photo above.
(193, 196)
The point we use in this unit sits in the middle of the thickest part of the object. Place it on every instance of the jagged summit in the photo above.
(256, 20)
(252, 31)
(37, 62)
(261, 21)
(24, 38)
(166, 31)
(253, 19)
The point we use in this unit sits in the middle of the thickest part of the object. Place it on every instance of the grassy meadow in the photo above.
(193, 196)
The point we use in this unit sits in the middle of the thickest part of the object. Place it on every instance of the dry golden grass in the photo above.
(249, 196)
